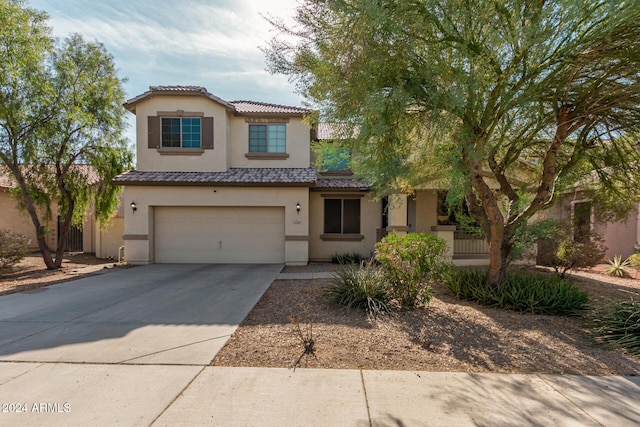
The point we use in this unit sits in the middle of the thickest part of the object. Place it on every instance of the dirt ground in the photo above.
(449, 335)
(31, 272)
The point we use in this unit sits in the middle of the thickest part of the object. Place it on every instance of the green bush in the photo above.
(522, 292)
(346, 258)
(410, 263)
(360, 287)
(617, 325)
(13, 247)
(634, 261)
(565, 254)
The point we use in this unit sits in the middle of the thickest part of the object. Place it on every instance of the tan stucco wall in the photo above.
(426, 210)
(150, 159)
(11, 218)
(138, 227)
(109, 239)
(297, 140)
(230, 142)
(370, 221)
(620, 237)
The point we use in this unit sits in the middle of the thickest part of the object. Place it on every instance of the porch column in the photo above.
(397, 214)
(445, 232)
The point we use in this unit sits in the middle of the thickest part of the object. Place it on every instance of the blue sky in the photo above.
(211, 43)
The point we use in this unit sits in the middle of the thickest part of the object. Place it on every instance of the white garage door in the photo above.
(219, 235)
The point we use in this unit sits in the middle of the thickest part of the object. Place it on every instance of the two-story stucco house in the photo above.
(232, 182)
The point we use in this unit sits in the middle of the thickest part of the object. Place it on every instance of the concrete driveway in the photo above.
(155, 314)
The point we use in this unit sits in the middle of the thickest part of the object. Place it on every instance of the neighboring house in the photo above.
(578, 210)
(105, 243)
(234, 182)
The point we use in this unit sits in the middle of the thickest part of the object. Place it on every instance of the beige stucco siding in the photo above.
(370, 221)
(139, 226)
(620, 237)
(297, 145)
(18, 221)
(152, 159)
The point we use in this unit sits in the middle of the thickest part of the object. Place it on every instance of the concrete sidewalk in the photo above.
(133, 348)
(166, 395)
(306, 276)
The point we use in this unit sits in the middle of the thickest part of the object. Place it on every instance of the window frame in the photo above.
(276, 145)
(350, 227)
(181, 132)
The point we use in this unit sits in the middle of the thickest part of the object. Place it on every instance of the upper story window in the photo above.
(267, 138)
(181, 132)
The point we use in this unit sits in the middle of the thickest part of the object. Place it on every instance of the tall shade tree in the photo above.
(506, 102)
(61, 124)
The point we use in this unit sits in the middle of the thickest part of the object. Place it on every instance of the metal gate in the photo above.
(74, 238)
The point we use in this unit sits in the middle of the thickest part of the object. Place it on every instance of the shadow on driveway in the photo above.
(162, 314)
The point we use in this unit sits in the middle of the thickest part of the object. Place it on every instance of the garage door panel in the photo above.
(219, 235)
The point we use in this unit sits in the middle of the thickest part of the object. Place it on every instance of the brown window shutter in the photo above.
(207, 133)
(154, 132)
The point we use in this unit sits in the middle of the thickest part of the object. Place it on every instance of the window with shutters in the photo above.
(182, 132)
(186, 132)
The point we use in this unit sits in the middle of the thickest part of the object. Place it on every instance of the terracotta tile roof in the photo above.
(239, 107)
(244, 107)
(88, 171)
(347, 183)
(175, 90)
(304, 177)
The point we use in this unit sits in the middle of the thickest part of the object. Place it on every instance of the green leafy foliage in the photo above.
(410, 263)
(618, 267)
(13, 248)
(506, 103)
(360, 287)
(634, 261)
(522, 292)
(346, 258)
(617, 325)
(61, 123)
(564, 254)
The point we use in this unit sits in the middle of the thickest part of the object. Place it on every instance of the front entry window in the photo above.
(342, 216)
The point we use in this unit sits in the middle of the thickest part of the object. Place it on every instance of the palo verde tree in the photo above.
(506, 102)
(61, 124)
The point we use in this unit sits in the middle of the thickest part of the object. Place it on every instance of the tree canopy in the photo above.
(61, 123)
(505, 102)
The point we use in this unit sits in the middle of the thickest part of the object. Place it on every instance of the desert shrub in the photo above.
(410, 263)
(346, 258)
(617, 325)
(634, 261)
(617, 267)
(13, 247)
(360, 287)
(564, 254)
(522, 292)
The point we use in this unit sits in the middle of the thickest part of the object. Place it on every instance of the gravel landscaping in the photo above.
(448, 335)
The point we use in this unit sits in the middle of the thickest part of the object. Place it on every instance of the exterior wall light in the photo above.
(134, 207)
(298, 208)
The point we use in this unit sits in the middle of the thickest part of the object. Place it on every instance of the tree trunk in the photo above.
(33, 214)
